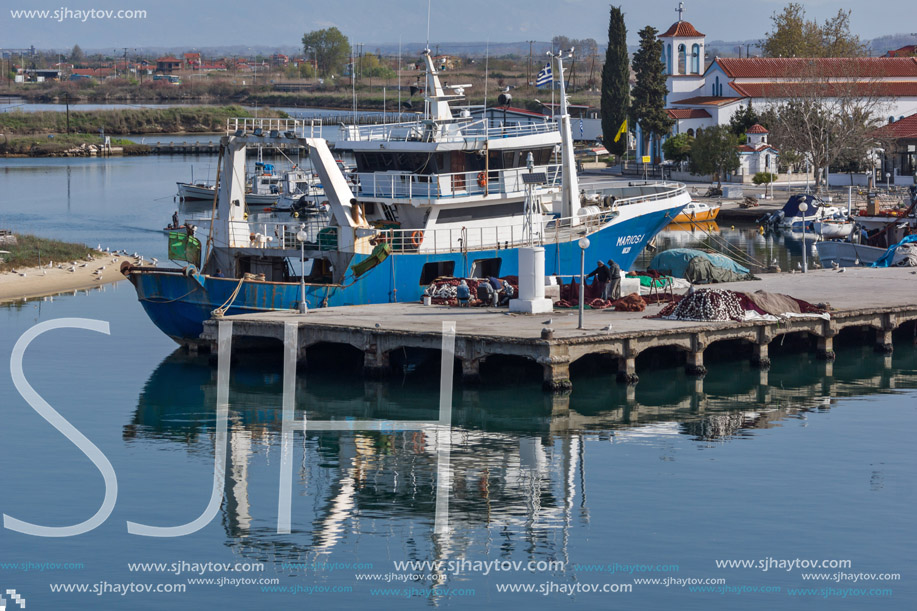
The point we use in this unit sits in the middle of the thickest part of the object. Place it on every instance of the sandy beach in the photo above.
(38, 282)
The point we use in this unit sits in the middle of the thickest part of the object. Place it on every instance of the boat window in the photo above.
(477, 213)
(484, 268)
(436, 269)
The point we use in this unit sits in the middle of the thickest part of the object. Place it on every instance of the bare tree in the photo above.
(826, 111)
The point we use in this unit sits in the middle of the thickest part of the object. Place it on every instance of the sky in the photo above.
(204, 23)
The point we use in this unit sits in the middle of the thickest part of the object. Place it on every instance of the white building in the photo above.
(699, 98)
(756, 155)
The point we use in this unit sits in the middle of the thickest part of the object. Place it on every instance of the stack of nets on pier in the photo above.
(442, 291)
(724, 305)
(592, 295)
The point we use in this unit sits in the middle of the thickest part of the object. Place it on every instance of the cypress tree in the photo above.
(615, 83)
(648, 105)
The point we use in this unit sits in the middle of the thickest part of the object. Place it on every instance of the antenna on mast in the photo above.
(428, 24)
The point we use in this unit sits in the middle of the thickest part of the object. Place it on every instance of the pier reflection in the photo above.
(517, 453)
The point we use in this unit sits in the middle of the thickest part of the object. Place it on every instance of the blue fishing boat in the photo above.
(445, 195)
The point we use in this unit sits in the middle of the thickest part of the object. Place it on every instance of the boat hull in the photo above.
(847, 254)
(696, 217)
(180, 304)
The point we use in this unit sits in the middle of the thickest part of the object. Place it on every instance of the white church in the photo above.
(701, 96)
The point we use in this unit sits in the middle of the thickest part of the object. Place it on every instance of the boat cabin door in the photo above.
(457, 167)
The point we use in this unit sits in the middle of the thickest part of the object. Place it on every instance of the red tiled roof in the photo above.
(884, 89)
(681, 28)
(794, 67)
(902, 128)
(707, 100)
(688, 113)
(903, 51)
(757, 128)
(168, 59)
(744, 148)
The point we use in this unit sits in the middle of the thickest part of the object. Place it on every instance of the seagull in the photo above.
(548, 321)
(83, 264)
(608, 328)
(798, 265)
(72, 269)
(22, 274)
(842, 270)
(834, 264)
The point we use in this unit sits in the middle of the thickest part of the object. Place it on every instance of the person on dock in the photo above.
(486, 294)
(463, 294)
(613, 288)
(602, 275)
(507, 293)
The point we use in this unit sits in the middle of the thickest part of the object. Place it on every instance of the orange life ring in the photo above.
(417, 239)
(482, 179)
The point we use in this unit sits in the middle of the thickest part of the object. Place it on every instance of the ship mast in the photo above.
(570, 194)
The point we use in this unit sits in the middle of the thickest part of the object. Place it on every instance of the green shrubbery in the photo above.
(762, 178)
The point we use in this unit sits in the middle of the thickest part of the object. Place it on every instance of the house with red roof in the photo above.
(900, 139)
(905, 51)
(168, 65)
(756, 155)
(192, 60)
(701, 96)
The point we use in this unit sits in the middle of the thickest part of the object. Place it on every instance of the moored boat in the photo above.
(447, 195)
(696, 212)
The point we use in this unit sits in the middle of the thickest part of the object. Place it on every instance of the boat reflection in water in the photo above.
(517, 454)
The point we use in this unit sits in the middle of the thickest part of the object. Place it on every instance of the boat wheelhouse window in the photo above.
(484, 268)
(273, 268)
(437, 269)
(477, 213)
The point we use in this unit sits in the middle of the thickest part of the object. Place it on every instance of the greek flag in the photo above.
(545, 76)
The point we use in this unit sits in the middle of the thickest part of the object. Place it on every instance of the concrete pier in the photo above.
(876, 299)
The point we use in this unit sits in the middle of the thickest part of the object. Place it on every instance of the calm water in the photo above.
(810, 461)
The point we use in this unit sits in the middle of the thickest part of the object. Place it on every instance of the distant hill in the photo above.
(715, 48)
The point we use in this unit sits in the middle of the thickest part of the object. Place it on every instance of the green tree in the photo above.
(374, 67)
(76, 55)
(795, 36)
(329, 47)
(648, 105)
(615, 84)
(714, 152)
(678, 148)
(743, 119)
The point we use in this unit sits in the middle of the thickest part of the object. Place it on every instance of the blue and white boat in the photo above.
(446, 195)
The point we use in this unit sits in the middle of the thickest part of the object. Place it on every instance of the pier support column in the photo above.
(695, 364)
(884, 341)
(375, 363)
(627, 370)
(557, 375)
(826, 348)
(760, 358)
(471, 371)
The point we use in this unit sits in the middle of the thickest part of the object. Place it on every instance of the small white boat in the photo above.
(200, 190)
(847, 254)
(832, 229)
